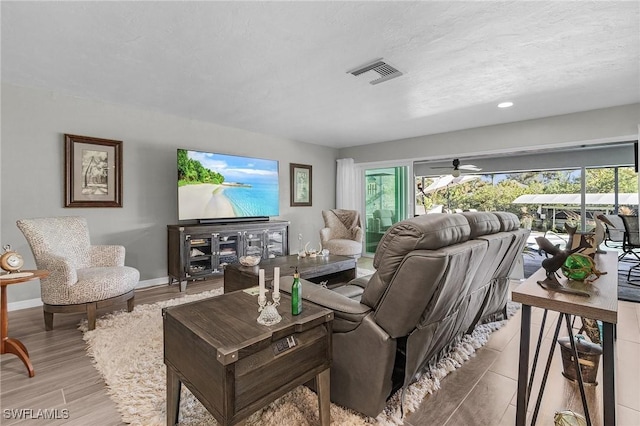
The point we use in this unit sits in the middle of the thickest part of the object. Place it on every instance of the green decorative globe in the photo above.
(577, 267)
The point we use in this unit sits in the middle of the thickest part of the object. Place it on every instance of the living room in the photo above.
(37, 112)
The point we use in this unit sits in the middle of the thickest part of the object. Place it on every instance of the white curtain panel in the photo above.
(346, 185)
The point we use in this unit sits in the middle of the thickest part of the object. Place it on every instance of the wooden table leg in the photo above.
(4, 319)
(323, 383)
(523, 367)
(13, 346)
(8, 345)
(173, 397)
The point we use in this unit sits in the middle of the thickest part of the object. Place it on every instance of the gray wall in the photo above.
(32, 173)
(603, 125)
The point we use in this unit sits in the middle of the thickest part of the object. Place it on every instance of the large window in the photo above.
(596, 169)
(544, 200)
(490, 192)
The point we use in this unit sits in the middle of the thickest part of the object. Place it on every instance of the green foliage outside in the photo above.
(485, 195)
(602, 180)
(193, 172)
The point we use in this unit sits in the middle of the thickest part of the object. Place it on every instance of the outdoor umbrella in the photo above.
(448, 181)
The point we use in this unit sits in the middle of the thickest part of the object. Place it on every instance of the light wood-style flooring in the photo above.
(482, 392)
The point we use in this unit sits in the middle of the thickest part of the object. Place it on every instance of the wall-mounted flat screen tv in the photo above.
(216, 187)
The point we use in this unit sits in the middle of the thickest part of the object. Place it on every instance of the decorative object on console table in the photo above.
(580, 267)
(593, 237)
(552, 264)
(311, 252)
(301, 184)
(93, 172)
(269, 311)
(585, 240)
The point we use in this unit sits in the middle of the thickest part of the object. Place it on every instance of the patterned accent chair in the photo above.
(83, 277)
(342, 234)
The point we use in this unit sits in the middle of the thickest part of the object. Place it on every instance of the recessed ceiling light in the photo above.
(505, 104)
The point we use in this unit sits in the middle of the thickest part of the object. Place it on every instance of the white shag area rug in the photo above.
(127, 349)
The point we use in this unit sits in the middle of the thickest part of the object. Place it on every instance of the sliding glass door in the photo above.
(385, 192)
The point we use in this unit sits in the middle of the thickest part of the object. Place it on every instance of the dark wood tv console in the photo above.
(201, 251)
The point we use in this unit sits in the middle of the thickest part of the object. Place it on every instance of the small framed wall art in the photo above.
(301, 184)
(93, 170)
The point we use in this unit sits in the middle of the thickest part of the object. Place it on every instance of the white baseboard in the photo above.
(153, 282)
(24, 304)
(33, 303)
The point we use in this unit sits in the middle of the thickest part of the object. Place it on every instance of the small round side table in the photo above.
(7, 344)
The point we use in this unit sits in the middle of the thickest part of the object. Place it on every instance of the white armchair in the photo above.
(83, 278)
(342, 234)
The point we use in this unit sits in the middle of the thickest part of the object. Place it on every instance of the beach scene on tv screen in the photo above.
(225, 186)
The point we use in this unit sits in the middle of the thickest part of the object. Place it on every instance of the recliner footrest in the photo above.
(350, 291)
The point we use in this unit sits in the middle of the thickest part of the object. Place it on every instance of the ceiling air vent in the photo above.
(377, 70)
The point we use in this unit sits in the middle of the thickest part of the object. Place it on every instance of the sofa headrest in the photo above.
(482, 223)
(425, 232)
(508, 221)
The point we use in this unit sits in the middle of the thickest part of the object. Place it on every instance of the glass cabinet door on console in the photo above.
(227, 250)
(276, 243)
(254, 243)
(199, 252)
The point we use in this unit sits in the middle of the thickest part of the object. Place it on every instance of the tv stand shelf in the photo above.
(201, 251)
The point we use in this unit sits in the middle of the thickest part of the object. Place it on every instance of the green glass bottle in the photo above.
(296, 294)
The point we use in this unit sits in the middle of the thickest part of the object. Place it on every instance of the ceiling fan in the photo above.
(455, 172)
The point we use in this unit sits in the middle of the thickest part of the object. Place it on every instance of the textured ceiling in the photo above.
(280, 68)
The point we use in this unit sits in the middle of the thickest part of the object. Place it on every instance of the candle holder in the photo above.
(268, 310)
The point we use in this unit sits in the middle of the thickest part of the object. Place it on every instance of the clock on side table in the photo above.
(11, 262)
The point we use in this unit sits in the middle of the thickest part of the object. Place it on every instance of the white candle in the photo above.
(276, 280)
(261, 282)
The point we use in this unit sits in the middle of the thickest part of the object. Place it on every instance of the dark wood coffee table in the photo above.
(235, 366)
(333, 269)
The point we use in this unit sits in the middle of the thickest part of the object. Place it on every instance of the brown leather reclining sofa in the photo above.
(437, 276)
